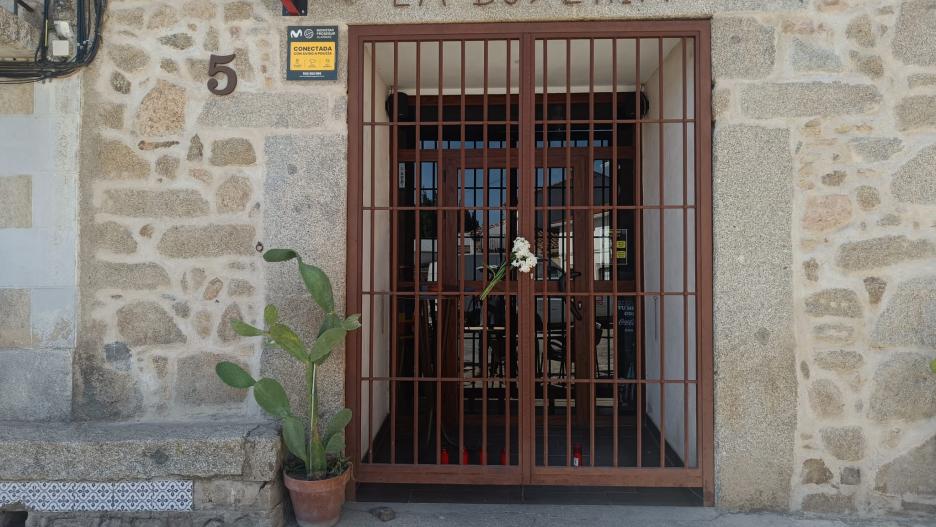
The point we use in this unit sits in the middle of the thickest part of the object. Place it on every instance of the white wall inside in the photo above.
(580, 56)
(669, 323)
(376, 316)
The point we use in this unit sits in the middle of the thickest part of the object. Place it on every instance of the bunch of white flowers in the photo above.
(521, 257)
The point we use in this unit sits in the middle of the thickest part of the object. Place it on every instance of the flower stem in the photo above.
(498, 276)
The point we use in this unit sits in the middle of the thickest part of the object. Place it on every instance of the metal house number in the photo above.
(216, 65)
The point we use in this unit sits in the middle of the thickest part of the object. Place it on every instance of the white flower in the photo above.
(521, 245)
(521, 257)
(521, 253)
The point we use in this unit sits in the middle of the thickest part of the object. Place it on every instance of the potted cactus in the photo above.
(319, 472)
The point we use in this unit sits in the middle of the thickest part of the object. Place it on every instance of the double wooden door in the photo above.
(595, 368)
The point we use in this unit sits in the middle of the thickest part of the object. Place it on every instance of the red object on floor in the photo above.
(503, 456)
(465, 459)
(577, 455)
(443, 457)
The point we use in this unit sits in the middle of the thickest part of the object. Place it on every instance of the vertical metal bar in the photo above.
(685, 266)
(461, 267)
(417, 297)
(394, 256)
(372, 296)
(486, 196)
(506, 244)
(638, 262)
(662, 178)
(701, 384)
(527, 224)
(547, 217)
(440, 272)
(613, 201)
(589, 176)
(568, 222)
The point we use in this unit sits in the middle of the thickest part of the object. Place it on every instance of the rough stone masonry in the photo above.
(824, 229)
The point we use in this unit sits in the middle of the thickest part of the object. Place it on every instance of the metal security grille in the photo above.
(592, 141)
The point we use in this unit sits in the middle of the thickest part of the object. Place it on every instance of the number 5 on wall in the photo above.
(216, 66)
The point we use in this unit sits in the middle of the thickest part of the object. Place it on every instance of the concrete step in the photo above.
(32, 451)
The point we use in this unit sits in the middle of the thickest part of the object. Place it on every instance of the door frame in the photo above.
(527, 33)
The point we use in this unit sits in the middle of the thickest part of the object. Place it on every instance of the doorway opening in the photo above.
(592, 141)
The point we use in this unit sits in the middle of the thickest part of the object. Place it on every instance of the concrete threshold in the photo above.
(531, 515)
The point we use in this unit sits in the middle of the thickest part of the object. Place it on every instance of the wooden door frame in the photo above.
(527, 33)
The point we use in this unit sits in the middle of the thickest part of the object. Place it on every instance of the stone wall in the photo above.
(19, 35)
(844, 94)
(826, 113)
(864, 246)
(846, 91)
(824, 237)
(173, 200)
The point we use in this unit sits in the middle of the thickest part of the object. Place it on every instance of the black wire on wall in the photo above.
(89, 16)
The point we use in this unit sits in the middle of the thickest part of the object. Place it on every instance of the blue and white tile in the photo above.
(152, 496)
(130, 496)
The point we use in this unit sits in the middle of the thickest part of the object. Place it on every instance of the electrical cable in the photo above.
(89, 17)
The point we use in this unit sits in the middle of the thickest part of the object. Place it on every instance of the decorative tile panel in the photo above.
(128, 496)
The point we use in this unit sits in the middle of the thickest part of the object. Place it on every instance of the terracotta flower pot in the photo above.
(317, 503)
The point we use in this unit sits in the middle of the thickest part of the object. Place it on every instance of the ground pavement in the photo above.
(532, 515)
